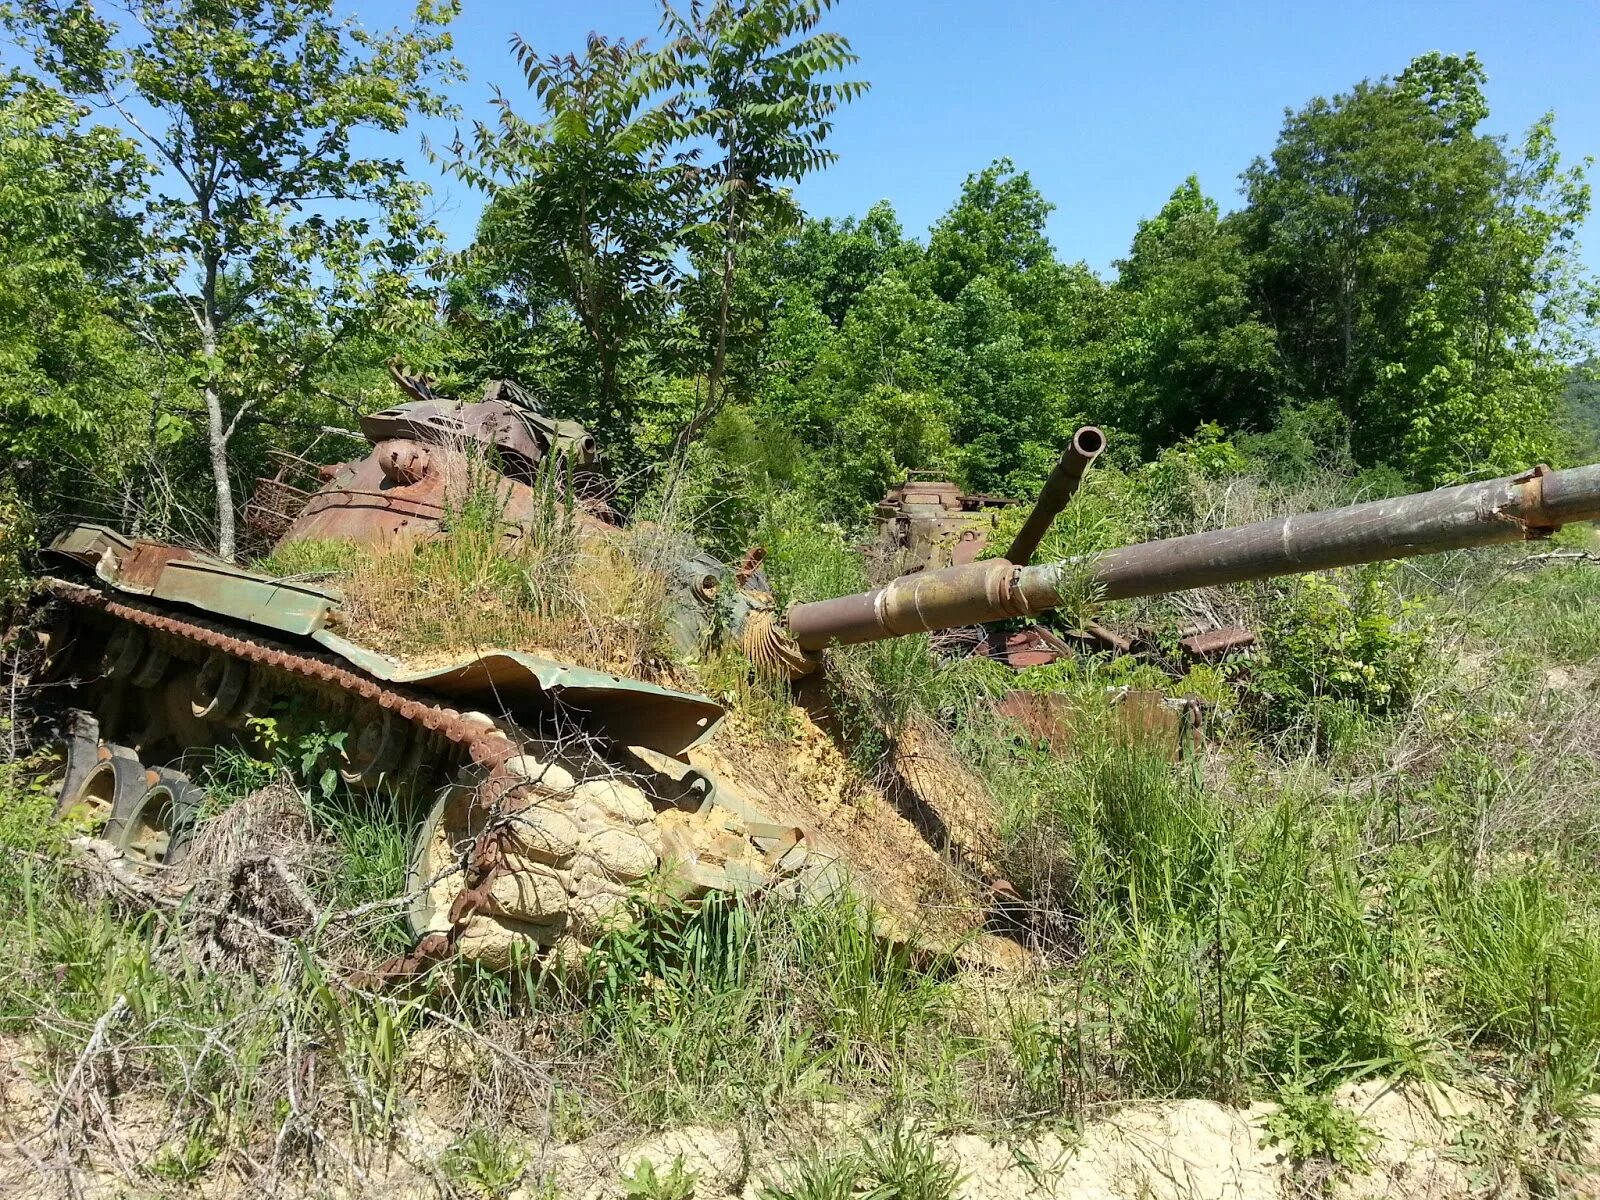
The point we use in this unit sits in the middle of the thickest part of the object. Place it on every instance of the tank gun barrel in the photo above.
(1058, 490)
(1491, 512)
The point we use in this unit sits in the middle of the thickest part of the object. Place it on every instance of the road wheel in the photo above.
(159, 825)
(70, 757)
(98, 787)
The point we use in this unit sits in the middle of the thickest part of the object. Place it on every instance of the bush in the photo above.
(1334, 656)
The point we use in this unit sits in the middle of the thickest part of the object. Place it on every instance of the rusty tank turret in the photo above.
(547, 789)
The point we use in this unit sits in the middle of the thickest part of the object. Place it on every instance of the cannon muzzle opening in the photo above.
(1086, 446)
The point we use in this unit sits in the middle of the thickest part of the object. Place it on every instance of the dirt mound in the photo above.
(926, 897)
(1430, 1143)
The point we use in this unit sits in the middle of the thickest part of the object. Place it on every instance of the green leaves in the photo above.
(1417, 272)
(70, 377)
(616, 217)
(266, 232)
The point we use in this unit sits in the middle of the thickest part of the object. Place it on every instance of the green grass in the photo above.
(700, 1010)
(1405, 889)
(900, 1163)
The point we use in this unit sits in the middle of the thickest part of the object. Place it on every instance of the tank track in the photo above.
(501, 763)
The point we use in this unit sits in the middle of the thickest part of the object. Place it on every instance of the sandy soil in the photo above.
(933, 898)
(1173, 1150)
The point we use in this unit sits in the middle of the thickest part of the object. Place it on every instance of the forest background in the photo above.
(203, 266)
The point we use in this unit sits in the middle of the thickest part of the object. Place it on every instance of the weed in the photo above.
(1333, 656)
(816, 1176)
(487, 581)
(645, 1183)
(186, 1160)
(903, 1165)
(700, 1008)
(1310, 1126)
(484, 1162)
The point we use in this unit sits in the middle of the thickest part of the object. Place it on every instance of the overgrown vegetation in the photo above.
(1377, 863)
(498, 579)
(1373, 860)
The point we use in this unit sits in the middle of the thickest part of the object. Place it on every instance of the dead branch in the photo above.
(1552, 558)
(116, 876)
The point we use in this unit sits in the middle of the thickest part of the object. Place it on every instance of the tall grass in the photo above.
(538, 583)
(1262, 915)
(1320, 893)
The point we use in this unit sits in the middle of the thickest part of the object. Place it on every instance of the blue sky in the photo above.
(1108, 106)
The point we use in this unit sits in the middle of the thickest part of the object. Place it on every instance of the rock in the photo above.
(544, 833)
(528, 890)
(550, 777)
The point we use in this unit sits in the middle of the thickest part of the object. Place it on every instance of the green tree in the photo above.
(1580, 411)
(587, 207)
(1188, 347)
(835, 261)
(267, 228)
(1415, 272)
(995, 229)
(71, 383)
(757, 88)
(67, 251)
(1012, 333)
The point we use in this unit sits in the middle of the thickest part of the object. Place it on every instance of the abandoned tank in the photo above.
(549, 789)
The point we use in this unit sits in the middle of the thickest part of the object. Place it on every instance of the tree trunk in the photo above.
(217, 441)
(707, 412)
(217, 430)
(217, 445)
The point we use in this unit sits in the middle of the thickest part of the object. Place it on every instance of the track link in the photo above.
(487, 745)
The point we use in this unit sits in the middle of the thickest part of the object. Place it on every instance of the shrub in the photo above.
(1333, 653)
(1308, 1126)
(1176, 480)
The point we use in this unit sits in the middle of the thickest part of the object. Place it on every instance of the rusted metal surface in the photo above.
(750, 565)
(507, 418)
(1216, 644)
(485, 743)
(1493, 512)
(401, 488)
(419, 468)
(927, 522)
(141, 568)
(630, 710)
(1087, 445)
(87, 544)
(279, 498)
(1109, 638)
(928, 600)
(1034, 646)
(1139, 716)
(1496, 511)
(183, 576)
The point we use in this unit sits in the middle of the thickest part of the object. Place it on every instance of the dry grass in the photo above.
(592, 603)
(549, 587)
